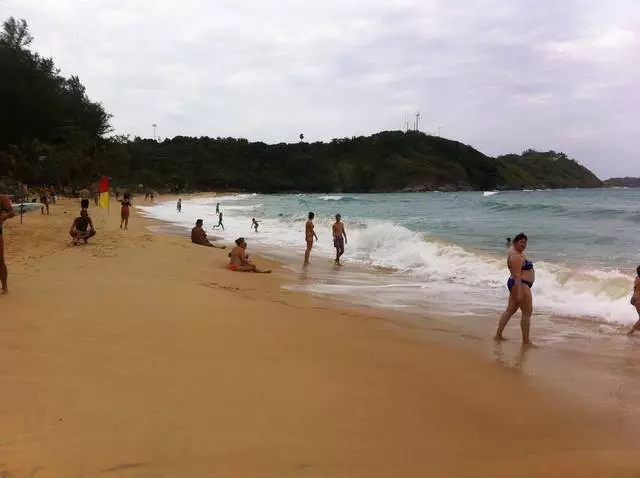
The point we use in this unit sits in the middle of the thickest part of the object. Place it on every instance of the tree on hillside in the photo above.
(49, 127)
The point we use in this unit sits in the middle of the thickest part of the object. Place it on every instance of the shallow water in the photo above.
(429, 253)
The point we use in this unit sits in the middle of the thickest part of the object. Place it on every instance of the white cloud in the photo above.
(500, 75)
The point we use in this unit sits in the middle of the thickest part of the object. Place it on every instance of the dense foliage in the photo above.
(51, 133)
(49, 129)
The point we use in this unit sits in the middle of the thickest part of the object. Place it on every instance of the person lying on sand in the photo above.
(82, 228)
(239, 259)
(199, 236)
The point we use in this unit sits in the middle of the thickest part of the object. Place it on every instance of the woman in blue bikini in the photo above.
(635, 301)
(519, 284)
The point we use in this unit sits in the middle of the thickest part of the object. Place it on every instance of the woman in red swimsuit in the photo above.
(124, 211)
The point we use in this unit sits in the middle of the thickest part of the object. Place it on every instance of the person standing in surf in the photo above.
(218, 208)
(635, 301)
(309, 234)
(179, 205)
(519, 284)
(255, 224)
(339, 238)
(6, 212)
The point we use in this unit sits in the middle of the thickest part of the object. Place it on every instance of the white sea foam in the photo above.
(489, 193)
(330, 198)
(424, 273)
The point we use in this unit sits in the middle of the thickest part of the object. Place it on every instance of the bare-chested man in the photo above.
(6, 212)
(339, 238)
(309, 234)
(199, 236)
(239, 259)
(82, 228)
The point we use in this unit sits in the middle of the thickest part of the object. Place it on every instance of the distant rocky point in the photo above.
(626, 182)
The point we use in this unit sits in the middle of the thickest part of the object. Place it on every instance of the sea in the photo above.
(439, 253)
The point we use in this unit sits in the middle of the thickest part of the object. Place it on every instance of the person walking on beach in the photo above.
(339, 238)
(179, 205)
(219, 222)
(239, 259)
(6, 212)
(124, 210)
(635, 301)
(44, 201)
(255, 224)
(199, 236)
(309, 235)
(82, 228)
(519, 284)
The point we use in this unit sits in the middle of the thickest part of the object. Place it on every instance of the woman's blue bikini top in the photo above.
(527, 265)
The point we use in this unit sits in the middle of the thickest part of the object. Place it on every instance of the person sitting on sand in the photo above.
(6, 212)
(239, 259)
(199, 236)
(82, 228)
(635, 301)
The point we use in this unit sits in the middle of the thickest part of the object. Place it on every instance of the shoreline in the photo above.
(141, 352)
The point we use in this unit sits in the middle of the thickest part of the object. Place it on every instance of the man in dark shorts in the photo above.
(199, 236)
(82, 228)
(339, 238)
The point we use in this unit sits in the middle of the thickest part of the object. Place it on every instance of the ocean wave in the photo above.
(445, 272)
(489, 193)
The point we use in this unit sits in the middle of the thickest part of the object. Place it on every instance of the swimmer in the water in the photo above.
(635, 301)
(519, 285)
(508, 244)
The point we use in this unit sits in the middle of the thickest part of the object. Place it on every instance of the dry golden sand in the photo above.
(140, 355)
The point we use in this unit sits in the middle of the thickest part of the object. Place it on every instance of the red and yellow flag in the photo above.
(104, 192)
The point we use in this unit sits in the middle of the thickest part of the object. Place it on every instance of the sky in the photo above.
(500, 75)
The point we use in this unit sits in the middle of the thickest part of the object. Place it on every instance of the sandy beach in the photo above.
(141, 355)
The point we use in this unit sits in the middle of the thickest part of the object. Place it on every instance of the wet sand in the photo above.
(141, 355)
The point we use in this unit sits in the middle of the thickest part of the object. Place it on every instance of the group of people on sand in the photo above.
(519, 284)
(238, 257)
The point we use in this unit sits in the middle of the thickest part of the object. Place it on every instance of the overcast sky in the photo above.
(500, 75)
